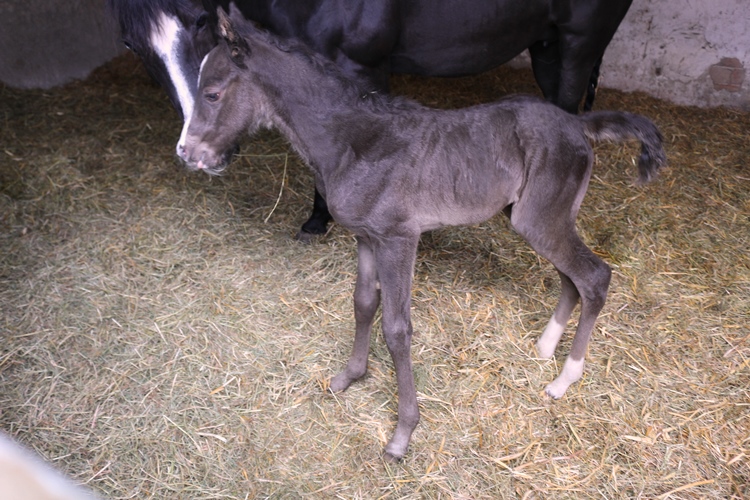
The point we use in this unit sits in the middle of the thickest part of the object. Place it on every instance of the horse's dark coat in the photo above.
(566, 40)
(391, 169)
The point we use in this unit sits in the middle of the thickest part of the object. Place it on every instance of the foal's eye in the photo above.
(212, 96)
(201, 21)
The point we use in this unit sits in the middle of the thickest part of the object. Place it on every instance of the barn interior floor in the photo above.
(164, 336)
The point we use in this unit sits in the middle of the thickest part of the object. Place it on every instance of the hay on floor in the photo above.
(163, 336)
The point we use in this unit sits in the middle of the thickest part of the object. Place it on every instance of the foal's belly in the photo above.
(456, 216)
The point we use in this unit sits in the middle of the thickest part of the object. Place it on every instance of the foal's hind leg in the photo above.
(366, 301)
(547, 343)
(591, 276)
(560, 244)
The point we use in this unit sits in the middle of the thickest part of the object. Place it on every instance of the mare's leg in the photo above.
(584, 37)
(545, 62)
(558, 242)
(588, 103)
(576, 72)
(547, 343)
(395, 261)
(318, 220)
(564, 69)
(366, 301)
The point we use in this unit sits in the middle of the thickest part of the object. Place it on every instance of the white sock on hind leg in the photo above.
(547, 343)
(571, 372)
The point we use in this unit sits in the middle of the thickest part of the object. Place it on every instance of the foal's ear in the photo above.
(237, 45)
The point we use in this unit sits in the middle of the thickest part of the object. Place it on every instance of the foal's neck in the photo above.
(307, 111)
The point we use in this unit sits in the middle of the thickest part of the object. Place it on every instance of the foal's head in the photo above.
(229, 101)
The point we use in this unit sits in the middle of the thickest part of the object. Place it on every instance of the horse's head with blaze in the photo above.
(171, 37)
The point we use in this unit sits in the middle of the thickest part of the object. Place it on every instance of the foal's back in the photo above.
(459, 167)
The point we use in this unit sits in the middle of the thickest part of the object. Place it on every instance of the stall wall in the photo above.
(694, 52)
(44, 43)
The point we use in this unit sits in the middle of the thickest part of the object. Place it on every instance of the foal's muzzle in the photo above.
(205, 160)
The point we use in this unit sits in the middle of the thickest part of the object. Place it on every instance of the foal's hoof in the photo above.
(555, 391)
(338, 384)
(343, 380)
(557, 388)
(393, 454)
(572, 372)
(395, 450)
(545, 351)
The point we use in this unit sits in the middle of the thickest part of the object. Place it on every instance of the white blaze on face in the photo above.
(165, 39)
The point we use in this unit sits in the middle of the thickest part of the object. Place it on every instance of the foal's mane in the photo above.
(356, 90)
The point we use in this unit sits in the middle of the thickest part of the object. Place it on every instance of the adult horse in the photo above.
(566, 40)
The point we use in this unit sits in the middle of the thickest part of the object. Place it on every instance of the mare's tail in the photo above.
(619, 126)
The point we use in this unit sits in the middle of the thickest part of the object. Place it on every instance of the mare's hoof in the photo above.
(304, 237)
(311, 229)
(391, 459)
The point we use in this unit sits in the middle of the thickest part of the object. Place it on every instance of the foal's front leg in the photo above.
(395, 261)
(366, 301)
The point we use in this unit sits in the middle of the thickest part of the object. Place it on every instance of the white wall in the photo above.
(673, 49)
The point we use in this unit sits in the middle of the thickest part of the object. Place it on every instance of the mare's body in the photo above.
(392, 169)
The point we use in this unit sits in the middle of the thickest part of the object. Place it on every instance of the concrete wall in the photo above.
(44, 43)
(694, 52)
(686, 51)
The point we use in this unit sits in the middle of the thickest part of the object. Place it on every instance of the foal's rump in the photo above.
(473, 162)
(538, 120)
(558, 157)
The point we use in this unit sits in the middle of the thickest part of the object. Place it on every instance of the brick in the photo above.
(728, 74)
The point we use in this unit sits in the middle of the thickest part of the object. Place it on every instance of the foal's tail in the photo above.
(619, 126)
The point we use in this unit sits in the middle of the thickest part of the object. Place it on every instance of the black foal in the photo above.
(391, 169)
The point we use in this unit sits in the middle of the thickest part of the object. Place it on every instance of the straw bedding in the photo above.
(163, 336)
